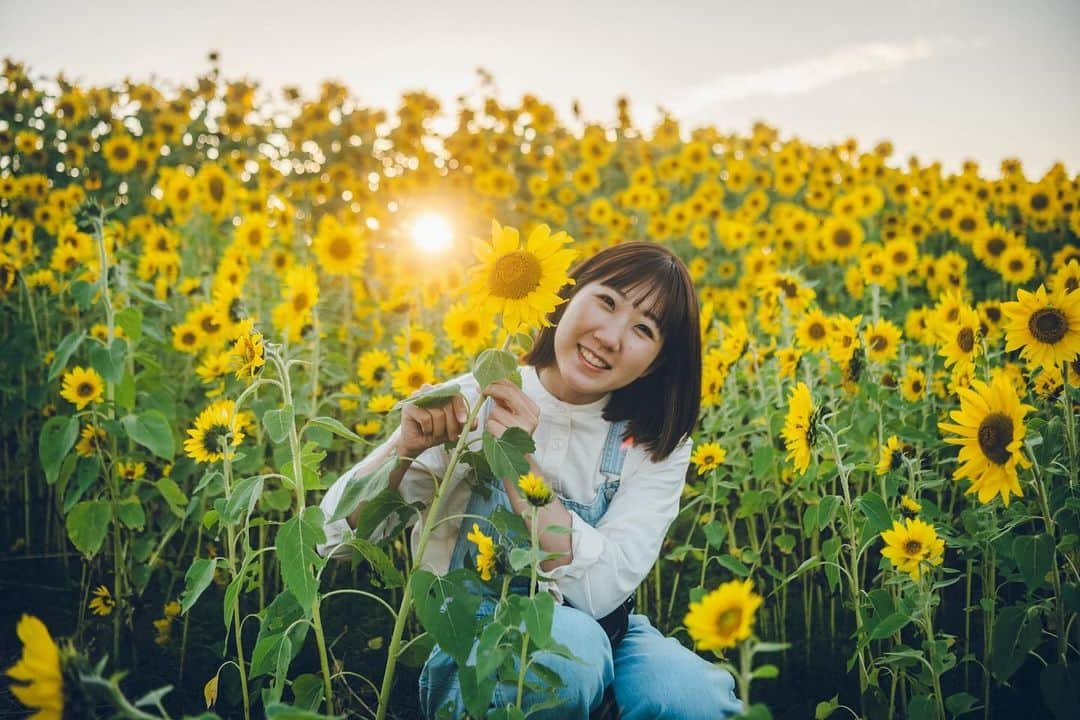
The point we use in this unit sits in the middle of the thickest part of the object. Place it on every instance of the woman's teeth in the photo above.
(592, 359)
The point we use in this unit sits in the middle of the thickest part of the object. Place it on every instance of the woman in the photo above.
(610, 393)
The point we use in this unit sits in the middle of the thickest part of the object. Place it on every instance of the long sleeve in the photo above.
(612, 559)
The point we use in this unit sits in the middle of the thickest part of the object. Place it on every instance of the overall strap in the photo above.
(615, 447)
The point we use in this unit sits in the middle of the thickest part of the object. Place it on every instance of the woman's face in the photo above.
(604, 341)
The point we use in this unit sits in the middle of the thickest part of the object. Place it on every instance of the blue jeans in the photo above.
(654, 677)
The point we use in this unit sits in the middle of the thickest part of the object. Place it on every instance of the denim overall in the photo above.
(438, 679)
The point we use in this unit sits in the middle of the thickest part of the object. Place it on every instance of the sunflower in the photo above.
(788, 361)
(812, 332)
(466, 329)
(42, 682)
(843, 337)
(892, 453)
(253, 234)
(959, 340)
(340, 247)
(130, 470)
(186, 338)
(911, 505)
(373, 368)
(521, 283)
(911, 543)
(218, 423)
(992, 242)
(708, 456)
(1066, 278)
(990, 430)
(901, 255)
(723, 617)
(82, 386)
(485, 552)
(381, 404)
(121, 154)
(882, 341)
(913, 384)
(411, 374)
(1017, 264)
(248, 355)
(535, 490)
(102, 604)
(90, 440)
(798, 432)
(841, 237)
(1045, 327)
(414, 341)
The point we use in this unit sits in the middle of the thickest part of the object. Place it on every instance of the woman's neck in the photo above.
(552, 381)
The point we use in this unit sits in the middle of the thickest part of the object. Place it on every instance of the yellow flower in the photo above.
(812, 332)
(248, 355)
(990, 430)
(798, 432)
(373, 368)
(411, 374)
(102, 604)
(959, 339)
(723, 617)
(521, 283)
(708, 456)
(367, 429)
(536, 491)
(466, 329)
(910, 544)
(414, 341)
(90, 441)
(82, 386)
(381, 404)
(485, 552)
(130, 470)
(216, 423)
(910, 505)
(39, 669)
(340, 247)
(163, 626)
(171, 609)
(1045, 327)
(882, 341)
(891, 455)
(913, 384)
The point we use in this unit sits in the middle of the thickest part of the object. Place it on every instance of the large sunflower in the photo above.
(990, 430)
(82, 386)
(909, 545)
(521, 283)
(1046, 327)
(42, 682)
(217, 423)
(798, 432)
(724, 617)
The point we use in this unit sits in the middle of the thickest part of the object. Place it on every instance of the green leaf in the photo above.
(296, 542)
(784, 543)
(64, 351)
(360, 489)
(277, 423)
(280, 615)
(490, 650)
(825, 708)
(173, 495)
(87, 524)
(762, 460)
(765, 672)
(109, 361)
(57, 437)
(242, 500)
(130, 512)
(1059, 690)
(1015, 633)
(130, 319)
(960, 703)
(827, 510)
(436, 397)
(391, 577)
(538, 616)
(83, 293)
(734, 565)
(889, 626)
(493, 365)
(307, 691)
(281, 711)
(335, 426)
(196, 580)
(86, 471)
(125, 392)
(1034, 555)
(877, 514)
(506, 455)
(151, 429)
(447, 608)
(716, 533)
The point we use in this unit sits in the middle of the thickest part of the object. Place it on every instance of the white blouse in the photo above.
(610, 560)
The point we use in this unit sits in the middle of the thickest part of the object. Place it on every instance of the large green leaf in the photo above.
(130, 512)
(1015, 633)
(506, 455)
(87, 525)
(57, 437)
(277, 423)
(360, 489)
(151, 429)
(380, 562)
(64, 351)
(296, 542)
(335, 426)
(198, 578)
(130, 319)
(173, 495)
(447, 607)
(109, 360)
(538, 615)
(242, 500)
(1034, 555)
(494, 365)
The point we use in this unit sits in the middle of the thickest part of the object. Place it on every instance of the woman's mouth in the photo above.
(591, 360)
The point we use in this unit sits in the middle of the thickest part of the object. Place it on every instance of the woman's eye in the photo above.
(607, 300)
(645, 329)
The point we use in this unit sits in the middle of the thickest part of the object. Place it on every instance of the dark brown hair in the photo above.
(662, 405)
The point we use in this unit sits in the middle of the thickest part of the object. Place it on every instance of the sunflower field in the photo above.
(214, 297)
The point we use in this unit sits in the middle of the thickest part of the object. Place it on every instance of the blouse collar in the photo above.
(534, 388)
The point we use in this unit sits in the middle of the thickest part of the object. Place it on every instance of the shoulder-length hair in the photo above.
(662, 405)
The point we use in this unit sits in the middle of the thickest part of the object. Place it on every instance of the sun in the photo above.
(432, 233)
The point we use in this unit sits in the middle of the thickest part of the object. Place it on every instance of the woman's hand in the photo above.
(512, 408)
(423, 428)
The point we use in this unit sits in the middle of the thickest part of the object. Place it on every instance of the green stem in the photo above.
(226, 466)
(929, 618)
(534, 535)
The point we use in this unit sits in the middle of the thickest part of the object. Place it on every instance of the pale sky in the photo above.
(944, 79)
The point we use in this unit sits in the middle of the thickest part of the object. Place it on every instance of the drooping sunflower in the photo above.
(411, 374)
(485, 552)
(798, 432)
(990, 431)
(248, 355)
(521, 283)
(536, 491)
(812, 332)
(959, 340)
(1044, 326)
(90, 440)
(41, 685)
(82, 386)
(724, 617)
(216, 425)
(910, 544)
(102, 603)
(910, 504)
(708, 456)
(373, 368)
(882, 341)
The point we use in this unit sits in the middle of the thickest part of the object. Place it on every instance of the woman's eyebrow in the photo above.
(648, 313)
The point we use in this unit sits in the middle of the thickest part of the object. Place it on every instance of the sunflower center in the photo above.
(900, 257)
(379, 374)
(470, 328)
(416, 345)
(300, 302)
(993, 313)
(1048, 325)
(790, 289)
(966, 339)
(817, 331)
(515, 275)
(995, 433)
(340, 248)
(213, 437)
(916, 386)
(912, 547)
(1039, 201)
(209, 325)
(85, 389)
(416, 379)
(842, 237)
(967, 224)
(728, 621)
(995, 246)
(878, 343)
(120, 152)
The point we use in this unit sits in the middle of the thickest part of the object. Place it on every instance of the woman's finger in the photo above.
(460, 409)
(438, 423)
(453, 426)
(494, 427)
(421, 417)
